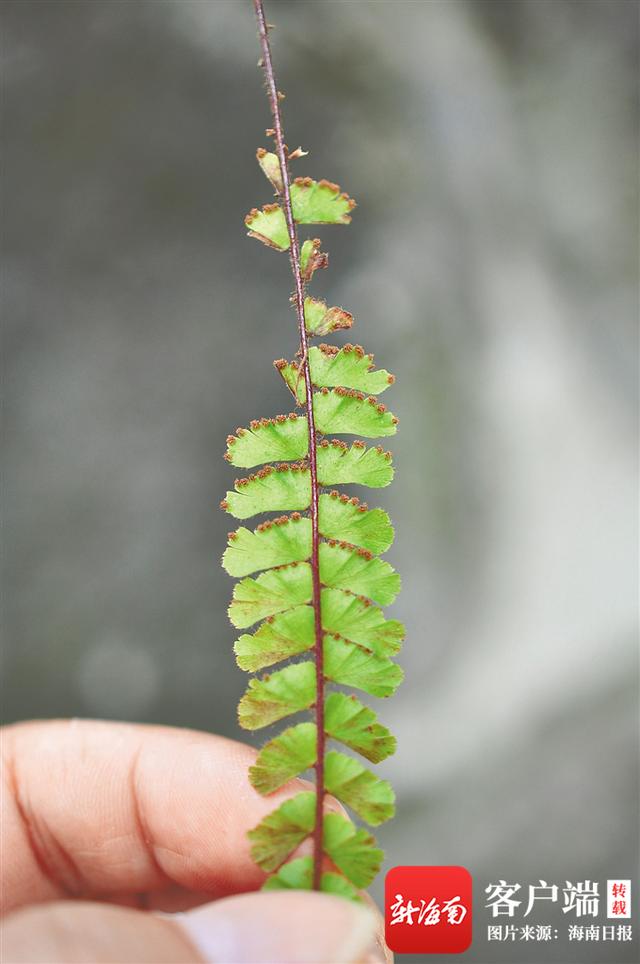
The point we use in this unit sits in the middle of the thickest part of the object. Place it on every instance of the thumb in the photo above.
(293, 927)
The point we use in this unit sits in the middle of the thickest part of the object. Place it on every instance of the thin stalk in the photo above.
(294, 257)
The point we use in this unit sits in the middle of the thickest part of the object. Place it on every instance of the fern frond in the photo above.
(311, 583)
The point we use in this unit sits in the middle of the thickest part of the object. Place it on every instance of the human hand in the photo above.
(106, 824)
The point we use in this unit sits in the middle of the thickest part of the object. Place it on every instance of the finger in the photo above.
(380, 950)
(78, 932)
(127, 813)
(288, 928)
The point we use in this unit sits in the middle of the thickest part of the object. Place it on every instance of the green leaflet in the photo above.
(280, 439)
(349, 367)
(277, 590)
(272, 592)
(288, 539)
(284, 757)
(356, 620)
(354, 569)
(271, 544)
(350, 665)
(298, 874)
(353, 851)
(355, 725)
(320, 202)
(278, 835)
(321, 320)
(287, 486)
(313, 202)
(280, 637)
(350, 521)
(285, 438)
(342, 411)
(294, 751)
(292, 632)
(371, 798)
(270, 166)
(269, 226)
(272, 698)
(270, 490)
(341, 464)
(312, 258)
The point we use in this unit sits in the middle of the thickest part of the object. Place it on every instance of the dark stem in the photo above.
(294, 256)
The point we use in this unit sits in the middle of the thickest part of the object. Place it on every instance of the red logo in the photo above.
(428, 910)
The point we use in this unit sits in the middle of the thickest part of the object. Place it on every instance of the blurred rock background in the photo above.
(491, 264)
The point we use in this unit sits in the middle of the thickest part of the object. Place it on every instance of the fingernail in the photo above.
(293, 927)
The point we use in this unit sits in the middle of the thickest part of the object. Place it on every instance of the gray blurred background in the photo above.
(491, 264)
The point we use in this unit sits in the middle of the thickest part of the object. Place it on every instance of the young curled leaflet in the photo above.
(311, 581)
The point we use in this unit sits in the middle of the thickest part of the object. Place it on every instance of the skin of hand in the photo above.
(127, 843)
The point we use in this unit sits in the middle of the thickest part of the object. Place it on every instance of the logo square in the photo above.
(428, 910)
(619, 898)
